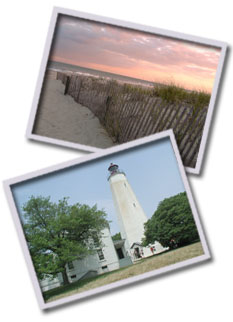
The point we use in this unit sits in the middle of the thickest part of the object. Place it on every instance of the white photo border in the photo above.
(180, 36)
(80, 160)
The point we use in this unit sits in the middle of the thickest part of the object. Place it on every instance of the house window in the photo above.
(70, 265)
(100, 254)
(96, 241)
(73, 276)
(105, 268)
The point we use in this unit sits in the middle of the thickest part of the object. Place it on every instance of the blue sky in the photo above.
(151, 170)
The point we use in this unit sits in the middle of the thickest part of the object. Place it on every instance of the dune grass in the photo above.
(172, 93)
(143, 266)
(175, 94)
(169, 92)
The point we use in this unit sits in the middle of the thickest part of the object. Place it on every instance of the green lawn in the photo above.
(145, 265)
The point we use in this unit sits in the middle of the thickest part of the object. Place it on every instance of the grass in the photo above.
(175, 94)
(171, 93)
(73, 288)
(145, 265)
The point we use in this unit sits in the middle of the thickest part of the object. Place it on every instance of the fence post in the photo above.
(79, 89)
(67, 82)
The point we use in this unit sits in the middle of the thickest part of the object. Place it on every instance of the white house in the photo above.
(108, 258)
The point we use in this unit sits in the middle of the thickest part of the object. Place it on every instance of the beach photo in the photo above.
(102, 84)
(106, 220)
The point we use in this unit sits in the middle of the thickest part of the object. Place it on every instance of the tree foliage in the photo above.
(173, 220)
(117, 236)
(58, 233)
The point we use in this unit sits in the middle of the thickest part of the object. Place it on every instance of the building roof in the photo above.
(137, 243)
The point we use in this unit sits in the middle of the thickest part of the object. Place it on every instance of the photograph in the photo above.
(104, 83)
(108, 219)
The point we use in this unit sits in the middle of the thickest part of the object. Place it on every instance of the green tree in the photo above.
(117, 236)
(58, 233)
(173, 220)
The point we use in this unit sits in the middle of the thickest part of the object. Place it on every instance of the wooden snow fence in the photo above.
(130, 114)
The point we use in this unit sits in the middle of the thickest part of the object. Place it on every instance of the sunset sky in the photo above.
(134, 54)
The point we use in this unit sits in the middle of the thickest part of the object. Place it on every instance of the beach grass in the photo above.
(172, 93)
(143, 266)
(169, 92)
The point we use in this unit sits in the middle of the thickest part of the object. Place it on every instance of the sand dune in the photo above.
(60, 117)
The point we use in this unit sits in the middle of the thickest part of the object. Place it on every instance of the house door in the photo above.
(137, 252)
(120, 253)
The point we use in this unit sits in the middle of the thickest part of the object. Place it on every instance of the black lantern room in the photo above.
(113, 168)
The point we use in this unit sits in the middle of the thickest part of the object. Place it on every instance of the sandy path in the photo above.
(60, 117)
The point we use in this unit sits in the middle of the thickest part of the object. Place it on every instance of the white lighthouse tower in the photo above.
(131, 216)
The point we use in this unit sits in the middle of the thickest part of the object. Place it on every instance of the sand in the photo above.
(60, 117)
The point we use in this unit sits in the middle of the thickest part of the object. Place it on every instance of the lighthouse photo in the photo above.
(118, 216)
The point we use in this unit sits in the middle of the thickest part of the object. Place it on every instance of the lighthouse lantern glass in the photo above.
(113, 168)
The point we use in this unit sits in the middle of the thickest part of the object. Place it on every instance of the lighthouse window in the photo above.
(100, 254)
(134, 205)
(124, 184)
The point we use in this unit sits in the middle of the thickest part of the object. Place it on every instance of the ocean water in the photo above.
(57, 66)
